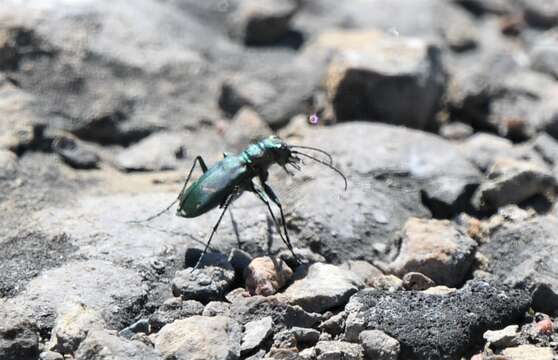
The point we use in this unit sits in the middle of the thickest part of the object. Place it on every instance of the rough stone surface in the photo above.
(217, 308)
(338, 350)
(19, 338)
(363, 269)
(245, 128)
(265, 275)
(255, 332)
(416, 281)
(436, 249)
(156, 152)
(208, 282)
(454, 322)
(523, 252)
(200, 337)
(511, 182)
(529, 352)
(363, 85)
(174, 309)
(544, 55)
(378, 345)
(103, 345)
(75, 153)
(505, 337)
(321, 287)
(73, 324)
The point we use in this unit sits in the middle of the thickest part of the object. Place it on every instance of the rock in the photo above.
(139, 327)
(217, 308)
(522, 252)
(261, 22)
(305, 255)
(366, 271)
(114, 292)
(363, 85)
(456, 131)
(266, 275)
(540, 13)
(439, 290)
(506, 337)
(73, 324)
(307, 354)
(378, 345)
(239, 260)
(8, 165)
(154, 153)
(239, 92)
(446, 197)
(338, 350)
(255, 334)
(454, 321)
(321, 287)
(284, 316)
(103, 345)
(529, 352)
(387, 172)
(389, 283)
(75, 153)
(335, 324)
(544, 54)
(483, 7)
(305, 337)
(51, 355)
(436, 249)
(417, 281)
(19, 338)
(246, 127)
(482, 149)
(211, 281)
(200, 337)
(174, 309)
(511, 182)
(547, 147)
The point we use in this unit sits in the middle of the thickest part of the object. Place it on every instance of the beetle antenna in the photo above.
(315, 149)
(326, 164)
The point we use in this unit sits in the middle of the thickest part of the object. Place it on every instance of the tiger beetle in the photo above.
(226, 180)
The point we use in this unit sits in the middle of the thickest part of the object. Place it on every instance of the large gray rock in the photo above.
(255, 332)
(103, 345)
(455, 322)
(524, 252)
(321, 287)
(338, 350)
(115, 292)
(387, 167)
(436, 249)
(369, 70)
(200, 337)
(174, 309)
(544, 55)
(379, 346)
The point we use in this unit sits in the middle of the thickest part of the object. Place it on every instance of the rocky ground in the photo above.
(442, 114)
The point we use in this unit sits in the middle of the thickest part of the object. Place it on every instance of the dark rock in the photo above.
(240, 91)
(200, 337)
(305, 337)
(157, 152)
(75, 153)
(257, 22)
(454, 322)
(436, 249)
(305, 255)
(417, 281)
(483, 7)
(523, 252)
(321, 287)
(140, 326)
(103, 345)
(174, 309)
(335, 325)
(19, 338)
(239, 260)
(204, 284)
(361, 85)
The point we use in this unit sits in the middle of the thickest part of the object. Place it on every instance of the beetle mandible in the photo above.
(227, 179)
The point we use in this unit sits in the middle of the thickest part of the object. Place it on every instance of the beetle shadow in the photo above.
(270, 226)
(235, 229)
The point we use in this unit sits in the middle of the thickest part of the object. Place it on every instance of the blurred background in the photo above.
(434, 109)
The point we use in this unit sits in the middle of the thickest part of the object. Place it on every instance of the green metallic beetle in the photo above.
(226, 180)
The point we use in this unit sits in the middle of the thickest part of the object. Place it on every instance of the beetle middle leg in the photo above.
(204, 169)
(225, 206)
(264, 197)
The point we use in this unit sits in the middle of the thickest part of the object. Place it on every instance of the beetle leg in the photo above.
(213, 231)
(204, 169)
(265, 199)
